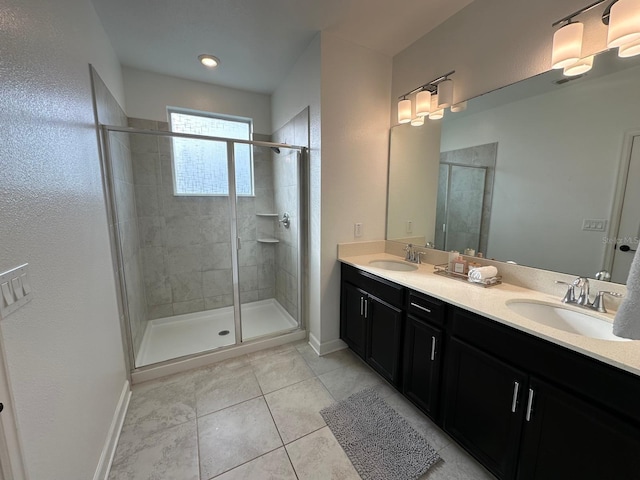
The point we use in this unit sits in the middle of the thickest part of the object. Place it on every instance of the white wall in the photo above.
(557, 152)
(355, 149)
(147, 95)
(490, 44)
(301, 88)
(63, 350)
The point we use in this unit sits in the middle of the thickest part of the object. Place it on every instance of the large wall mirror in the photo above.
(544, 173)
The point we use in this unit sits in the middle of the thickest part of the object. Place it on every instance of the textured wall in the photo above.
(148, 94)
(63, 350)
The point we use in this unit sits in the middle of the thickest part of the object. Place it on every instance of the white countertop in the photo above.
(491, 302)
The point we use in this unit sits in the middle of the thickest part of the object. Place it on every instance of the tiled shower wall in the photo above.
(129, 272)
(185, 242)
(286, 183)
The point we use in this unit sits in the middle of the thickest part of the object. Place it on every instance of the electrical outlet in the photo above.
(409, 226)
(357, 230)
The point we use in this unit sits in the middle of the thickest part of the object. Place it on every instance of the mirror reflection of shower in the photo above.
(194, 279)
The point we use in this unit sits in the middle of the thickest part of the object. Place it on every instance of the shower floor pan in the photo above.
(180, 335)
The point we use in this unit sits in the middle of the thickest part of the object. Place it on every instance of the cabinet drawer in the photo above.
(376, 286)
(426, 308)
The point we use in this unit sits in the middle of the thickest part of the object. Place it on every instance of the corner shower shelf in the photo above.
(274, 215)
(268, 240)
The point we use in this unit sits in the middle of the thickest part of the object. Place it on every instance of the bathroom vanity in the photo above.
(526, 400)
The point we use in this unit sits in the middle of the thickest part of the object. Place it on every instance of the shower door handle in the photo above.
(238, 244)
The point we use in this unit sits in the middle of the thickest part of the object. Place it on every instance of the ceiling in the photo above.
(257, 41)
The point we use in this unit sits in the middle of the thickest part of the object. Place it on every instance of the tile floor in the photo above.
(256, 417)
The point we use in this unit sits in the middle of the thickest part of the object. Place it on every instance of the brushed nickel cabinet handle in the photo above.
(420, 307)
(529, 405)
(433, 348)
(514, 401)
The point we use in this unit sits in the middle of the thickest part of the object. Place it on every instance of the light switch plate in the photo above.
(16, 290)
(594, 225)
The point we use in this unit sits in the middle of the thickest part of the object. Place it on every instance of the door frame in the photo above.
(618, 198)
(11, 459)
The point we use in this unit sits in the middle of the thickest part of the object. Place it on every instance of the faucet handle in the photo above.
(570, 296)
(598, 303)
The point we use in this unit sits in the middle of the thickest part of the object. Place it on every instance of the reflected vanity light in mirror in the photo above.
(581, 66)
(629, 50)
(436, 113)
(417, 121)
(459, 107)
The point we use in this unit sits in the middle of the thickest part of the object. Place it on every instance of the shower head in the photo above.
(275, 149)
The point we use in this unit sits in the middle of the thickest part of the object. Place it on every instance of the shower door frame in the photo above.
(302, 238)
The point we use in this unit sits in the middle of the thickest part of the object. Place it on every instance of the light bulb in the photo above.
(567, 45)
(423, 103)
(624, 23)
(404, 111)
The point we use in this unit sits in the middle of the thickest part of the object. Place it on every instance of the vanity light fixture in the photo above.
(423, 103)
(209, 61)
(445, 93)
(623, 20)
(417, 121)
(404, 110)
(436, 112)
(426, 100)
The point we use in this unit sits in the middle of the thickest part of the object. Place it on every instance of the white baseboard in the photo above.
(326, 347)
(104, 465)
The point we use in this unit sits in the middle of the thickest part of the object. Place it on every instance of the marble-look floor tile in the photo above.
(156, 406)
(280, 370)
(257, 357)
(235, 435)
(349, 380)
(213, 394)
(319, 456)
(296, 408)
(272, 466)
(169, 454)
(329, 362)
(419, 421)
(456, 464)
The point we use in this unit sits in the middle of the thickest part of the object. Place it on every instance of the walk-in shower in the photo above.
(211, 237)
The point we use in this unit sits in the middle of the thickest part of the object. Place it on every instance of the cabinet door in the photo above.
(422, 360)
(353, 329)
(385, 330)
(564, 437)
(483, 407)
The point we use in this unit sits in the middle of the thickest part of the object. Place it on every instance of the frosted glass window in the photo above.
(200, 166)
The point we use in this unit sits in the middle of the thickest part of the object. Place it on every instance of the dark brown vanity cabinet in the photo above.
(371, 320)
(528, 409)
(423, 352)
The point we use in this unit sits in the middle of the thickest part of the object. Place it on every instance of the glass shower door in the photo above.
(269, 239)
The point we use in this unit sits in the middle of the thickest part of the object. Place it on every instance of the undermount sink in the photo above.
(565, 319)
(396, 265)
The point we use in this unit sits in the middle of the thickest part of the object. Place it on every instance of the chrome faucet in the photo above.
(583, 297)
(411, 254)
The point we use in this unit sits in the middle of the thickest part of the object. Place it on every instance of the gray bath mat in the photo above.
(379, 442)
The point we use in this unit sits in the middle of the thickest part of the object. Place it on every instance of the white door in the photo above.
(629, 231)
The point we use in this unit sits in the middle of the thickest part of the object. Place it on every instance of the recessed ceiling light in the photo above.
(209, 61)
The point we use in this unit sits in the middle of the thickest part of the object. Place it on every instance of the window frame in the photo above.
(216, 116)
